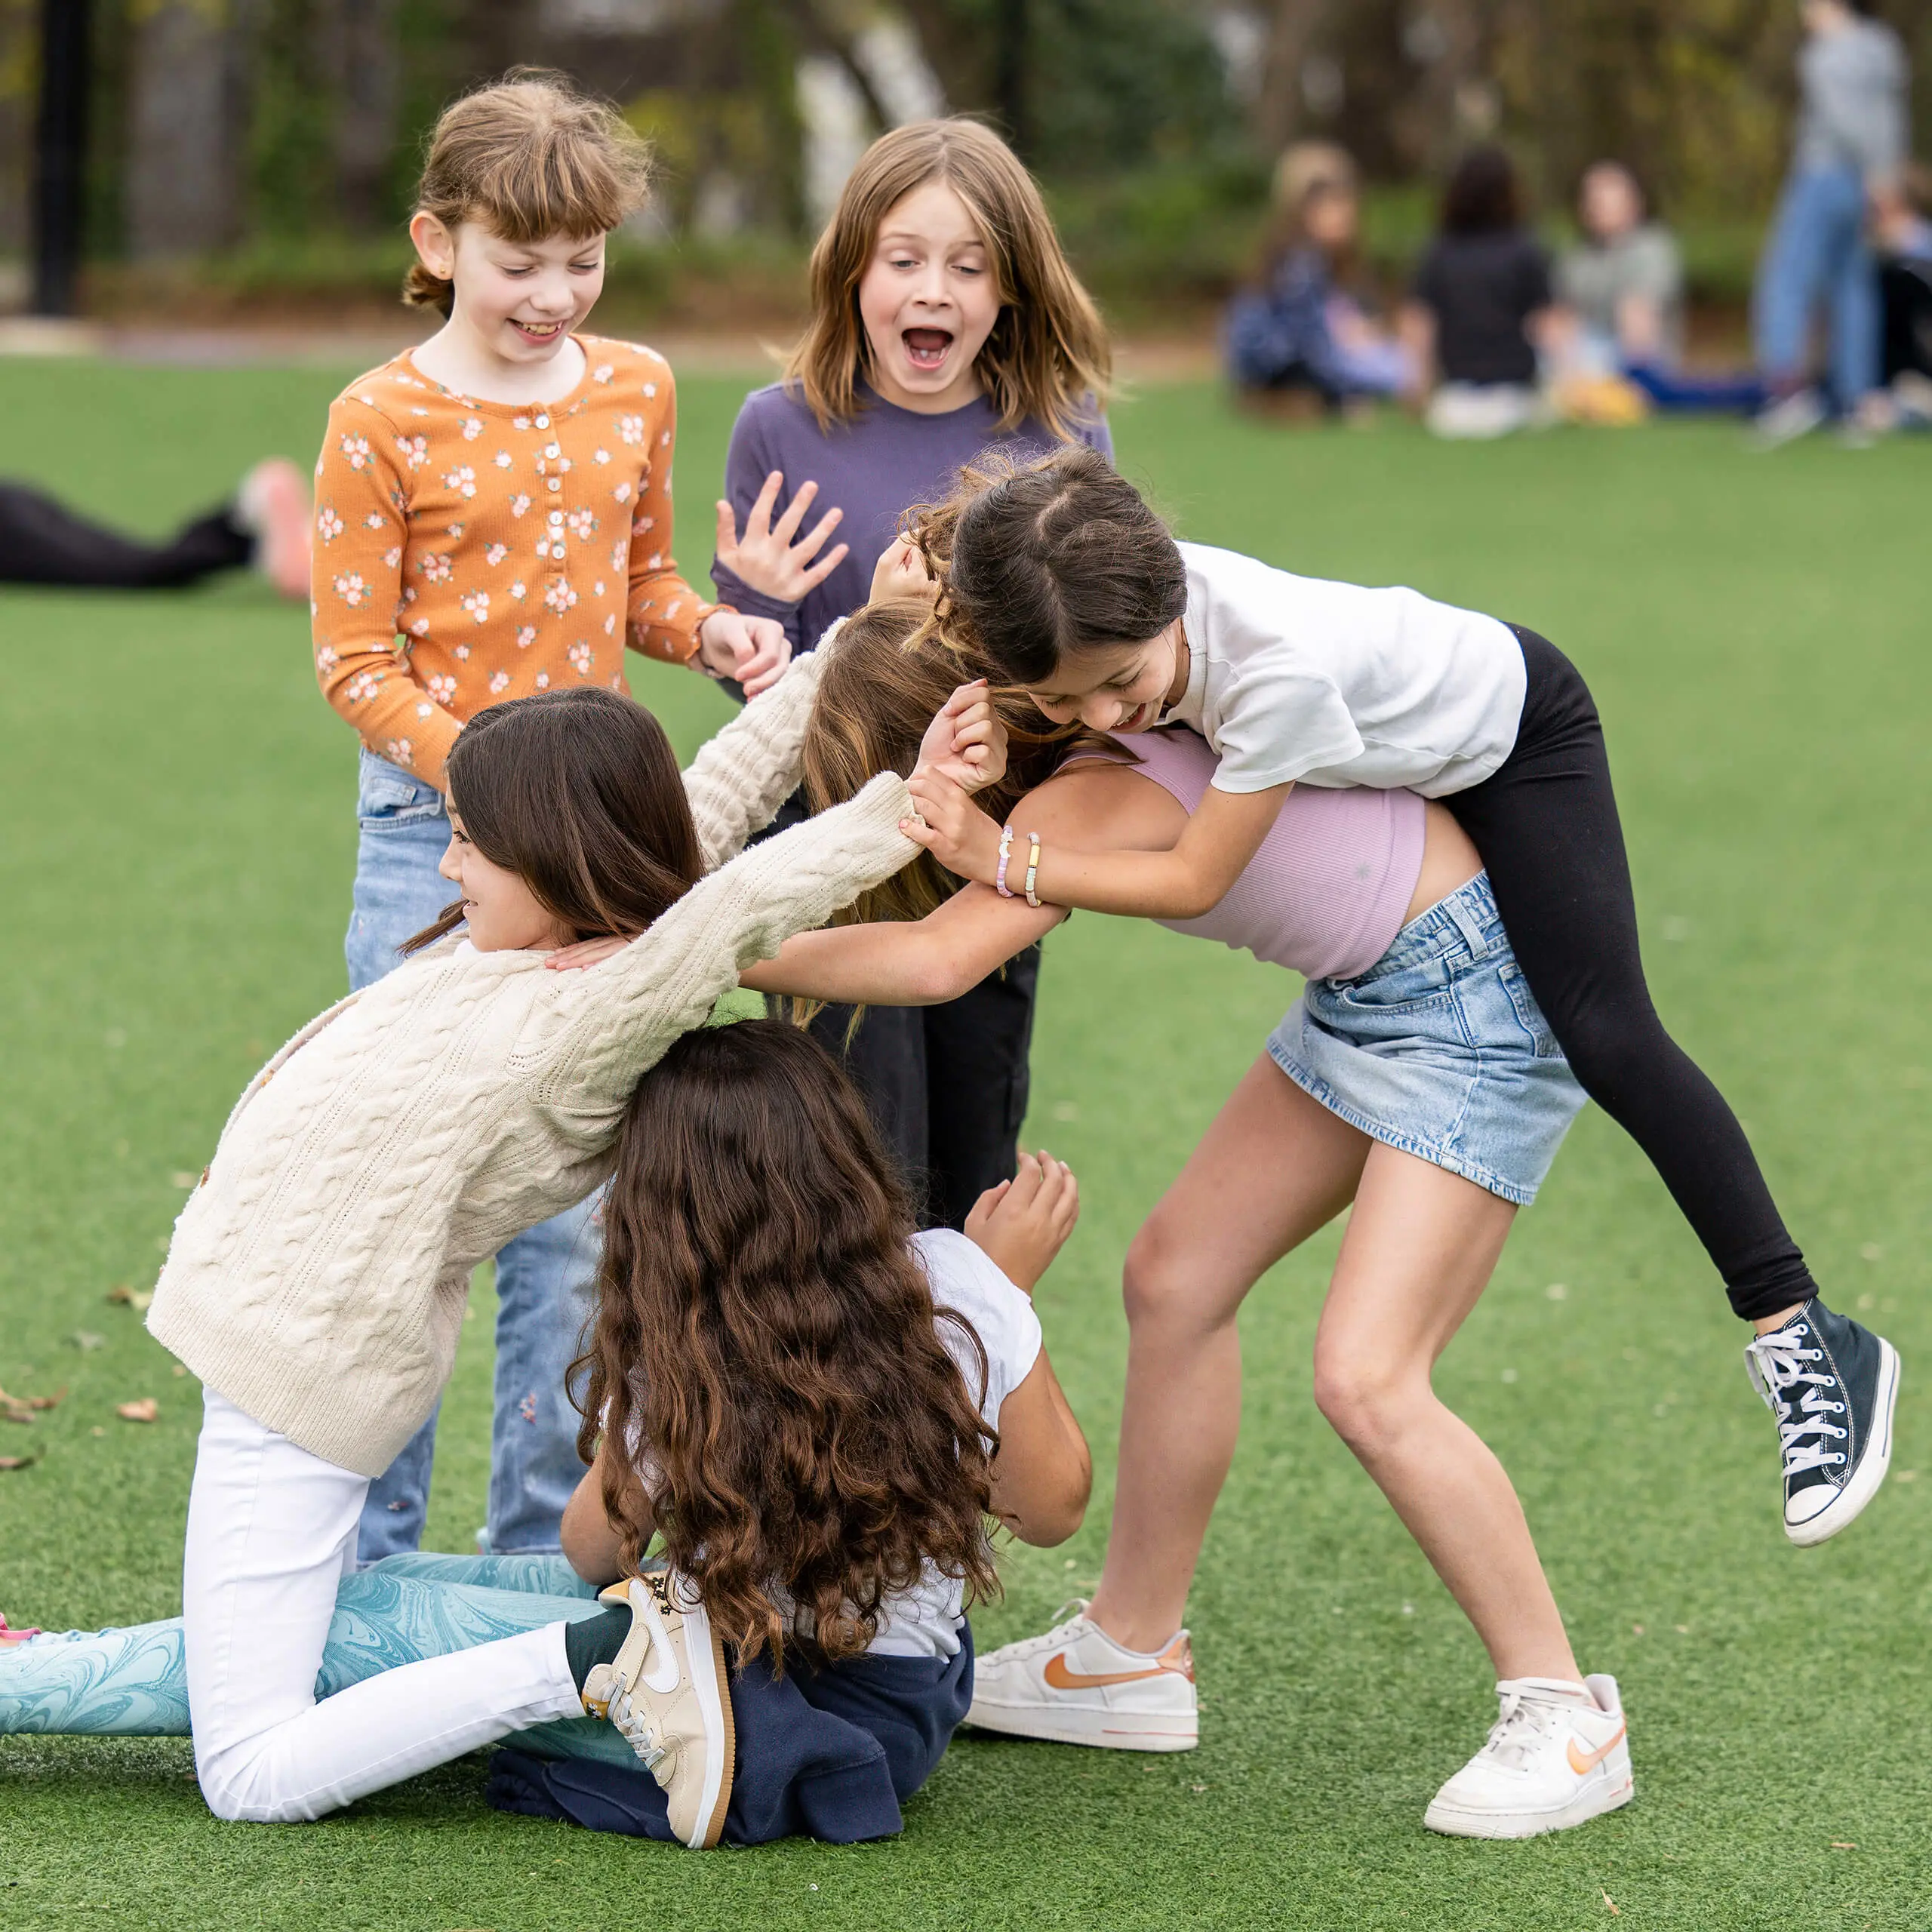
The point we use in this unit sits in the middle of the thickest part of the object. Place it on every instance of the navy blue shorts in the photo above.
(829, 1754)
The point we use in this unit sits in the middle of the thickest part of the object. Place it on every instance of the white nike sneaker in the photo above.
(1075, 1685)
(1552, 1762)
(666, 1691)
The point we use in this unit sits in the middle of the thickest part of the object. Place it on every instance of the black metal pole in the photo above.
(1010, 77)
(61, 156)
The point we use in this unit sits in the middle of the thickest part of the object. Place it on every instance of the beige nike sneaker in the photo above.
(1075, 1685)
(1553, 1760)
(666, 1691)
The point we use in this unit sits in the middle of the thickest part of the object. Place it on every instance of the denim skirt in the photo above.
(1441, 1050)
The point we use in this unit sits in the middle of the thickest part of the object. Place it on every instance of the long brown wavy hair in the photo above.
(766, 1344)
(577, 792)
(1047, 357)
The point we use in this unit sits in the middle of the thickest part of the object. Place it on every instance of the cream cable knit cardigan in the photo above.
(318, 1275)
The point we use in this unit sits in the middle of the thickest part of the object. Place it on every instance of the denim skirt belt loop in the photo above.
(1440, 1050)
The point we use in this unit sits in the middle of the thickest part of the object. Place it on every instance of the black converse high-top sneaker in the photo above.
(1832, 1385)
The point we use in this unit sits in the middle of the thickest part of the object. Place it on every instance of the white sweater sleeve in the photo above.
(741, 777)
(617, 1018)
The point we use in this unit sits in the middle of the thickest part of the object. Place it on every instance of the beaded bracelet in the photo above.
(1032, 869)
(1000, 885)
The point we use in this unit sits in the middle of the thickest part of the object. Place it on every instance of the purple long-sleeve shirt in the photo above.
(875, 467)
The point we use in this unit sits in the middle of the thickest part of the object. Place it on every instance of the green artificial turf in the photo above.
(178, 838)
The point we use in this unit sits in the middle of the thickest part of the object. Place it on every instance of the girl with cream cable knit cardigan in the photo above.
(318, 1274)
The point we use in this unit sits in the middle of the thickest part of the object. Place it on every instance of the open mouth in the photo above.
(926, 348)
(537, 332)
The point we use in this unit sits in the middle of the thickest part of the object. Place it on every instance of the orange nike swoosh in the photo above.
(1061, 1678)
(1581, 1761)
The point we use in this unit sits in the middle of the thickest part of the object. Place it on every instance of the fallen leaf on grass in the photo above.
(1612, 1904)
(16, 1461)
(86, 1340)
(1839, 1845)
(146, 1409)
(21, 1408)
(137, 1298)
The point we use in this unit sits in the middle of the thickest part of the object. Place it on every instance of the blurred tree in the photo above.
(184, 86)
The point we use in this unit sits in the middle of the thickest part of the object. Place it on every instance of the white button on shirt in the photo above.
(543, 423)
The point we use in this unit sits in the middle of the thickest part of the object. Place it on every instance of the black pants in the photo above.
(42, 543)
(1546, 824)
(946, 1085)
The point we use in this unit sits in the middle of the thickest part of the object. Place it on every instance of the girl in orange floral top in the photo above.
(493, 519)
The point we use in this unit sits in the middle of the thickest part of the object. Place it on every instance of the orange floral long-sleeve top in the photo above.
(468, 552)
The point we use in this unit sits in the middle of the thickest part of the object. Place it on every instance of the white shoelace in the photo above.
(1525, 1725)
(636, 1730)
(1778, 1364)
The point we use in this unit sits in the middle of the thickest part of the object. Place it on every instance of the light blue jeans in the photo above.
(1817, 257)
(545, 1277)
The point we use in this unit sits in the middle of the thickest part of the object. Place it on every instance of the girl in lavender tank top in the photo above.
(1415, 1078)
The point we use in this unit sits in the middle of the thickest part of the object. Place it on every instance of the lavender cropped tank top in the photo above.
(1325, 894)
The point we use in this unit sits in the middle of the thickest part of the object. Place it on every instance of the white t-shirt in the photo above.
(1296, 678)
(925, 1620)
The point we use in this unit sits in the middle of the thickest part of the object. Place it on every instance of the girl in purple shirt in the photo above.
(946, 322)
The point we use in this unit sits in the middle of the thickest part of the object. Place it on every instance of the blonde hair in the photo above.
(1048, 356)
(528, 157)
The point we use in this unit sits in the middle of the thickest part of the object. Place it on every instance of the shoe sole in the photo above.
(1870, 1472)
(1105, 1731)
(1591, 1802)
(702, 1644)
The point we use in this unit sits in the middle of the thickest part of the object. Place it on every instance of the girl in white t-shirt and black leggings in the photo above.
(1063, 579)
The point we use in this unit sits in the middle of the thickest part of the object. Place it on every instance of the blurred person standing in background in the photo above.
(1298, 327)
(1846, 161)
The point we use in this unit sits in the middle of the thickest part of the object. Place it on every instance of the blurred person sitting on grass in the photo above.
(264, 526)
(1299, 327)
(1622, 293)
(1480, 303)
(1902, 234)
(1846, 162)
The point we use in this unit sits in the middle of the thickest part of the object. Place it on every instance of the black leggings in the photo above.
(946, 1085)
(1546, 827)
(42, 542)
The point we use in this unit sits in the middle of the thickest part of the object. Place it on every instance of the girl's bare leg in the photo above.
(1273, 1168)
(1420, 1249)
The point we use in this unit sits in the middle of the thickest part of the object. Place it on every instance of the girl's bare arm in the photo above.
(591, 1543)
(1190, 877)
(924, 962)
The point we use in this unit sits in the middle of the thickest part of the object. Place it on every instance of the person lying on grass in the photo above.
(1415, 1078)
(824, 1406)
(317, 1276)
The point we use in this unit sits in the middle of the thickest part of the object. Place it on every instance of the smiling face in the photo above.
(928, 299)
(516, 301)
(1120, 687)
(504, 915)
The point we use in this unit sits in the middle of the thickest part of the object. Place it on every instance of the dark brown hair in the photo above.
(880, 688)
(766, 1345)
(1048, 356)
(1041, 559)
(528, 157)
(578, 793)
(1484, 196)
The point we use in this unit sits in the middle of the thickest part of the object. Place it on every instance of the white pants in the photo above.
(270, 1530)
